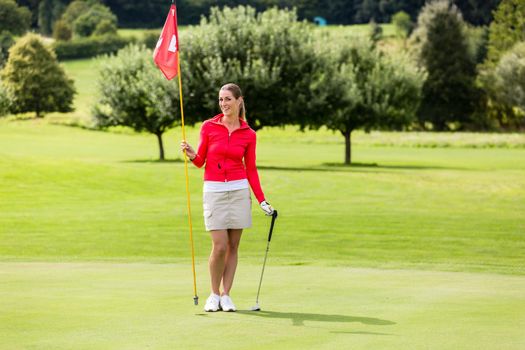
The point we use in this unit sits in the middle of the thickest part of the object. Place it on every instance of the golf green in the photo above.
(150, 306)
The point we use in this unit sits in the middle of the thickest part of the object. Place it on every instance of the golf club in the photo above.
(256, 307)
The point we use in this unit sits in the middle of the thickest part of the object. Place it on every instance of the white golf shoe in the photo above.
(227, 303)
(212, 303)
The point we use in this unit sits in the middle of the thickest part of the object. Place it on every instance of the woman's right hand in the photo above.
(190, 152)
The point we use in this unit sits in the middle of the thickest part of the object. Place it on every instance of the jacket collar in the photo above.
(217, 120)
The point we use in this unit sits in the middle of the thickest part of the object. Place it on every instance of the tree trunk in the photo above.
(348, 146)
(161, 146)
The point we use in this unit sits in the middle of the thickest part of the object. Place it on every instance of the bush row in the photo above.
(91, 46)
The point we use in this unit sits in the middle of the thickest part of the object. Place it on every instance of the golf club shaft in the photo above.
(262, 272)
(274, 216)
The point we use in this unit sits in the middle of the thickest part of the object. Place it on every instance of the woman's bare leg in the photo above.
(234, 238)
(217, 258)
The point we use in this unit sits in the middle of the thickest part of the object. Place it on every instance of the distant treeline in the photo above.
(150, 13)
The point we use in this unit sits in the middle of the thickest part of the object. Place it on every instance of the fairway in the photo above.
(412, 247)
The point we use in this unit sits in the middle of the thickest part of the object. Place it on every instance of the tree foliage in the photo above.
(145, 13)
(507, 29)
(270, 55)
(510, 78)
(403, 24)
(86, 23)
(449, 93)
(4, 101)
(361, 88)
(6, 41)
(34, 80)
(13, 18)
(132, 92)
(49, 11)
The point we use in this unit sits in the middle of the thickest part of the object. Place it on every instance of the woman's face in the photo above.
(228, 103)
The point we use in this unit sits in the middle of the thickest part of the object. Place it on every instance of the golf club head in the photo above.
(256, 307)
(196, 300)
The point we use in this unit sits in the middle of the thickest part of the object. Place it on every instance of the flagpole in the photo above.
(195, 297)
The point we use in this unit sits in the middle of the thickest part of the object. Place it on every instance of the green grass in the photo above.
(73, 194)
(150, 306)
(94, 245)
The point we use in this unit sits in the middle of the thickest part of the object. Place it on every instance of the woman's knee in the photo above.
(220, 248)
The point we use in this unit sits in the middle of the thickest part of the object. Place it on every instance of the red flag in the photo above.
(166, 52)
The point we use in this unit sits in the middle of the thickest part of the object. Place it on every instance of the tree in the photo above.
(270, 55)
(359, 87)
(34, 80)
(403, 24)
(133, 92)
(48, 12)
(4, 101)
(507, 29)
(6, 41)
(449, 93)
(62, 31)
(86, 23)
(13, 18)
(510, 79)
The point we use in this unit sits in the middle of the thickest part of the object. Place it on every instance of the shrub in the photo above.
(90, 47)
(105, 27)
(62, 31)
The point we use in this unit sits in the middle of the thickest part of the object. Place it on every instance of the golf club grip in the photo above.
(274, 216)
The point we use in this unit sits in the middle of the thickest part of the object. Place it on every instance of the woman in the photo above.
(226, 141)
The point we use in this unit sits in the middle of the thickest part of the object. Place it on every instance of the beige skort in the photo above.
(225, 210)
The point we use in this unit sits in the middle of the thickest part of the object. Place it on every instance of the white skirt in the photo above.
(227, 210)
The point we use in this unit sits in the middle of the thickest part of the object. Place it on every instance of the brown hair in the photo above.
(236, 91)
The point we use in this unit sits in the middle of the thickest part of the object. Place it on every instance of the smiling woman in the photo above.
(227, 147)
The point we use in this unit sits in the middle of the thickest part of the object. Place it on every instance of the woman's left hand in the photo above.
(267, 208)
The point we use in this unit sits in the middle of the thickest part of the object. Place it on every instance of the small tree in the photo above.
(133, 93)
(449, 94)
(62, 31)
(403, 24)
(13, 18)
(359, 87)
(510, 78)
(34, 80)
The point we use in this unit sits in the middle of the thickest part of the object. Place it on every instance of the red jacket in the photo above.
(223, 154)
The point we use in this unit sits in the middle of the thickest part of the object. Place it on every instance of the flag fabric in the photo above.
(166, 52)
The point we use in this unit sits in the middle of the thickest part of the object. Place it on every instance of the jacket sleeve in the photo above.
(251, 170)
(202, 150)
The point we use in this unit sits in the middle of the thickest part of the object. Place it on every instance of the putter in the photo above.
(256, 307)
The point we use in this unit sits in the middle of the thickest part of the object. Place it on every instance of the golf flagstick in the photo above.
(256, 307)
(166, 57)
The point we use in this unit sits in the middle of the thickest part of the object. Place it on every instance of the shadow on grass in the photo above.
(365, 333)
(298, 318)
(356, 167)
(154, 161)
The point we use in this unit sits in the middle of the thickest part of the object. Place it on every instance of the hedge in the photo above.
(90, 47)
